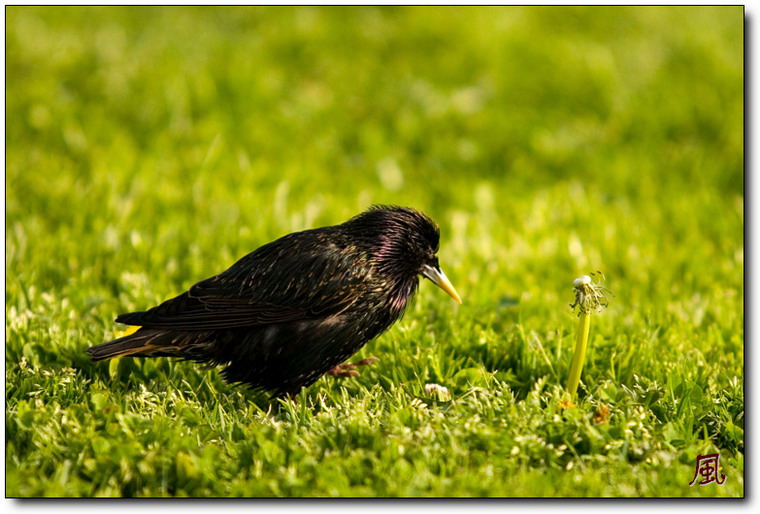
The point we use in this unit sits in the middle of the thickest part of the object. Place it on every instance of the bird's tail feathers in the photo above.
(136, 341)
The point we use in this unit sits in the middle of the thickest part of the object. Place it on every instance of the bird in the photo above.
(296, 308)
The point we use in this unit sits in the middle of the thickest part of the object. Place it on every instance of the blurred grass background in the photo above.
(150, 147)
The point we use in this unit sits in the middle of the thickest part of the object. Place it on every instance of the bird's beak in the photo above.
(439, 278)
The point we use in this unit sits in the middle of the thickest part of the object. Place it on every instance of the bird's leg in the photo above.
(348, 369)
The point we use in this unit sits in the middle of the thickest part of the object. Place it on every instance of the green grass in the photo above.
(148, 148)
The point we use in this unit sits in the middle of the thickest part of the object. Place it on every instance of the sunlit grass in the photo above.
(148, 148)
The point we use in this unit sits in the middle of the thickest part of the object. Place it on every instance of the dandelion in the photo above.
(590, 297)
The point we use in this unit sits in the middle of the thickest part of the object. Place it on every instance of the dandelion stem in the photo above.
(590, 297)
(581, 342)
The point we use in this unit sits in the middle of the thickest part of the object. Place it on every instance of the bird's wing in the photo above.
(303, 275)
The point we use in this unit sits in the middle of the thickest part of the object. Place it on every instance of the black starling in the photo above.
(296, 308)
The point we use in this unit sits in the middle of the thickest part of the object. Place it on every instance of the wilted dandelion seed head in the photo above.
(590, 296)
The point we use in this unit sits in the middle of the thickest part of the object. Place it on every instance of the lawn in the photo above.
(149, 148)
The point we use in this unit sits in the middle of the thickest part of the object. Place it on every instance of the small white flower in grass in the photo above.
(440, 392)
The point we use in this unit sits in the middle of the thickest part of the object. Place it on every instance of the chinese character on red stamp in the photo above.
(708, 467)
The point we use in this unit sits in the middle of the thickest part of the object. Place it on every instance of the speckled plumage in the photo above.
(293, 309)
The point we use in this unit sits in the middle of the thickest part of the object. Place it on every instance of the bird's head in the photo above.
(404, 242)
